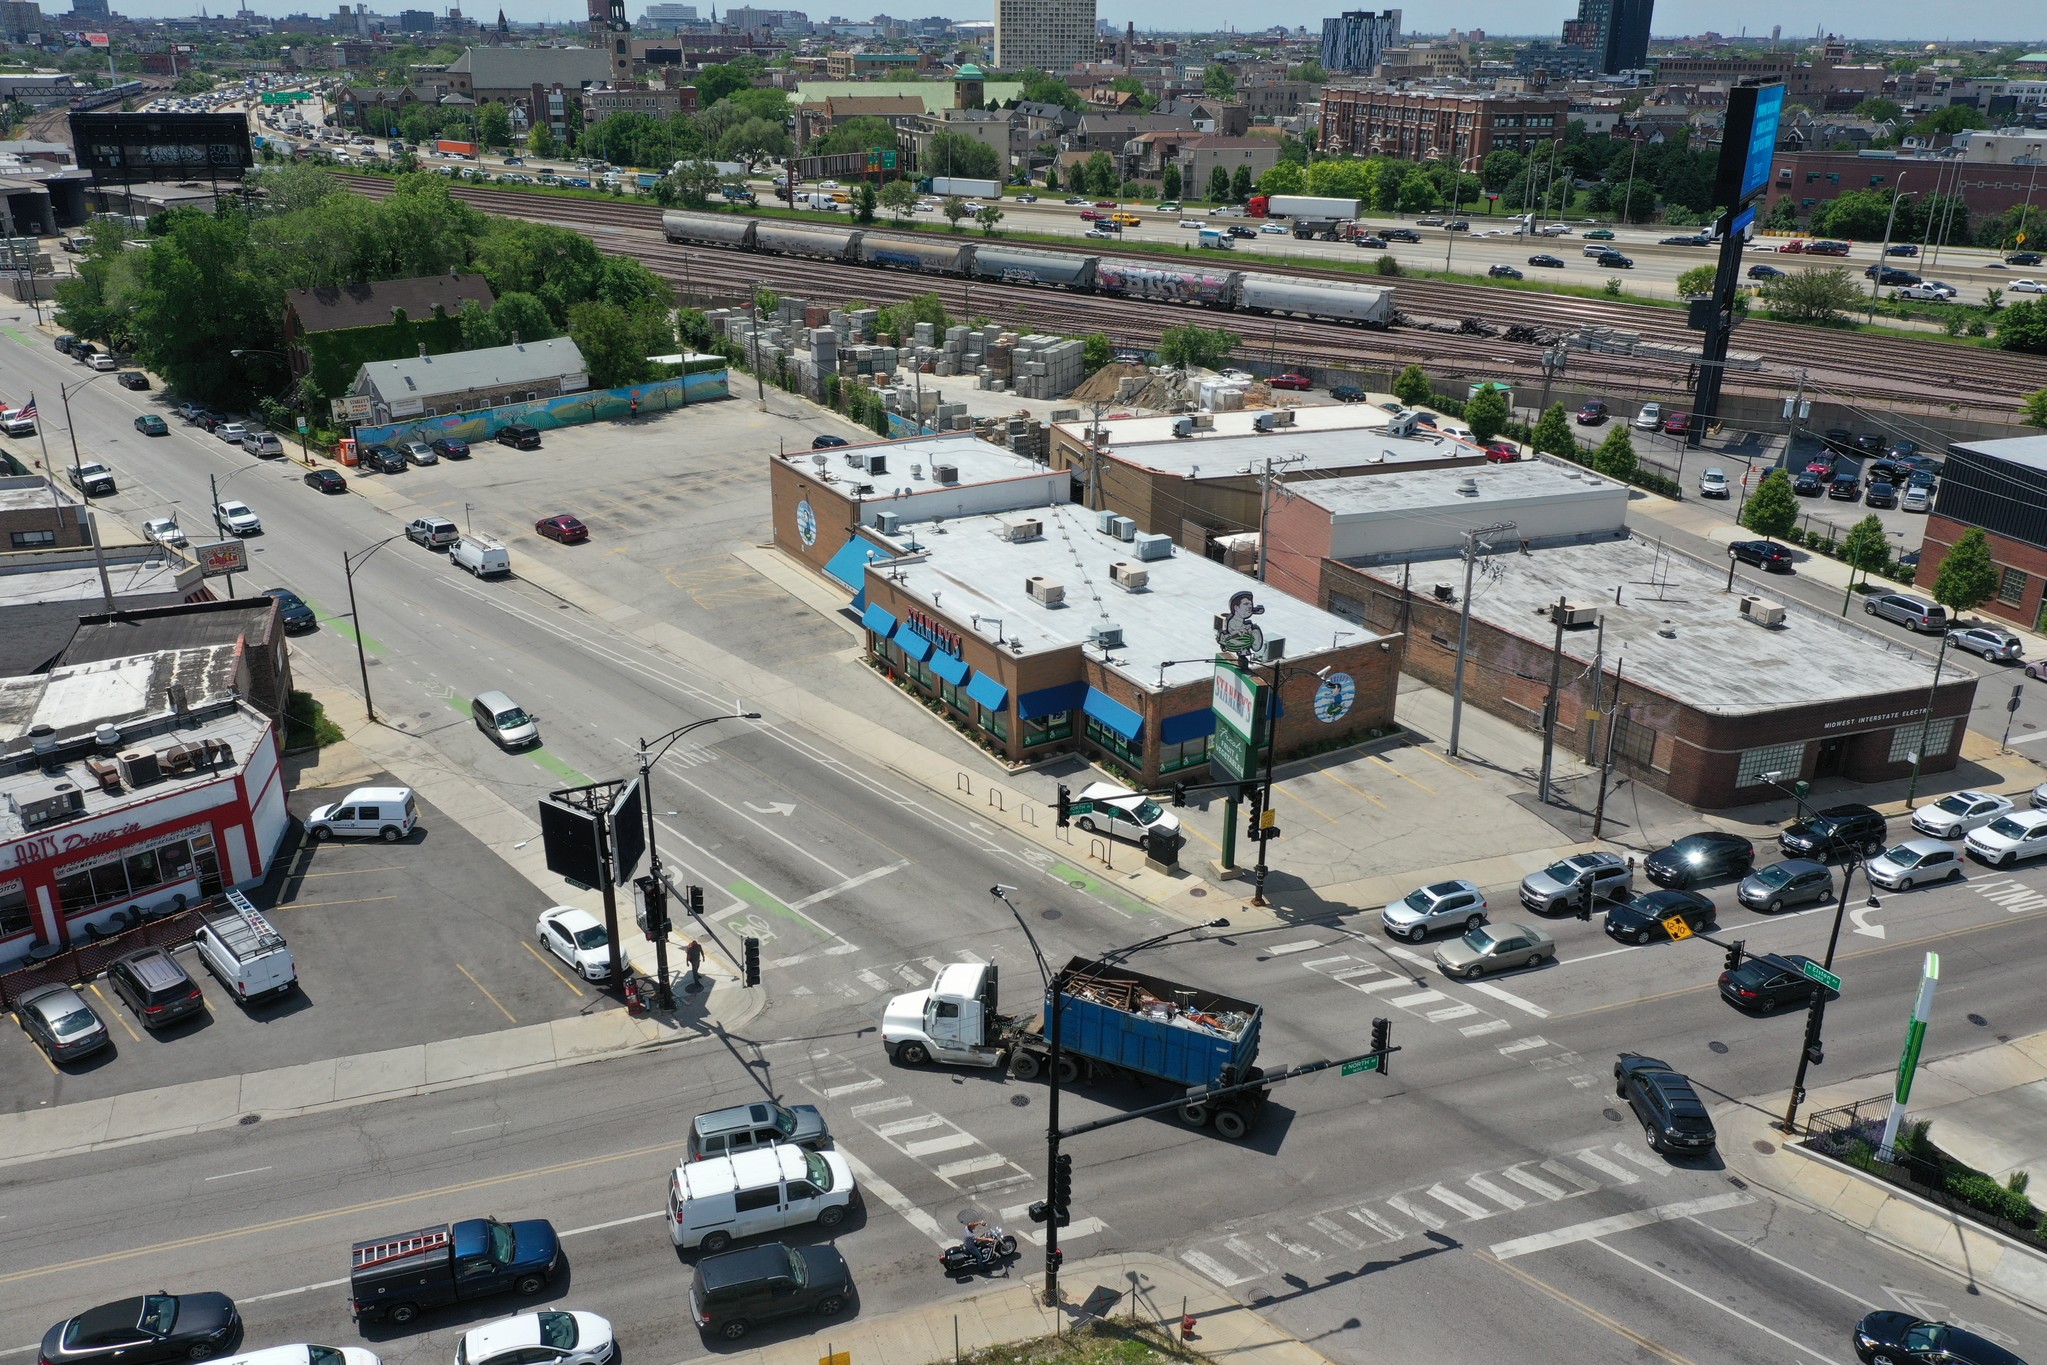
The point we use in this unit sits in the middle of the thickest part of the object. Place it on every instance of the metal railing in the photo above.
(87, 958)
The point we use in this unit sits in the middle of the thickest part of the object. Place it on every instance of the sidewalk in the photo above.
(1010, 1311)
(1988, 1108)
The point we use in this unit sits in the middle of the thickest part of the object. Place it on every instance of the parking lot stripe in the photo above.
(39, 1052)
(111, 1009)
(230, 1175)
(321, 905)
(486, 993)
(1330, 773)
(1425, 749)
(1401, 775)
(341, 872)
(551, 967)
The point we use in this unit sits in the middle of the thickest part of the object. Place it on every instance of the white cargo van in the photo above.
(244, 950)
(712, 1201)
(484, 558)
(386, 813)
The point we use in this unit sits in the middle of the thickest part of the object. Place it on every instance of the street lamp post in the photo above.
(1876, 278)
(99, 553)
(305, 455)
(213, 483)
(666, 998)
(349, 564)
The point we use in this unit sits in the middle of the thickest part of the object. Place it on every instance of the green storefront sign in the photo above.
(1239, 706)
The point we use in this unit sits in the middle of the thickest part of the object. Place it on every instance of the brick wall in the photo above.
(835, 510)
(2026, 609)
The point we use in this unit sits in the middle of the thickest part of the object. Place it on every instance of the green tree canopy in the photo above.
(2034, 413)
(1218, 82)
(1486, 414)
(1169, 183)
(714, 83)
(1859, 215)
(1877, 109)
(1952, 118)
(1772, 510)
(954, 208)
(515, 317)
(1191, 346)
(1412, 387)
(1038, 87)
(1219, 185)
(1866, 547)
(1823, 294)
(1101, 174)
(1240, 185)
(1553, 435)
(494, 125)
(2023, 327)
(955, 155)
(540, 140)
(862, 134)
(1697, 281)
(899, 199)
(616, 341)
(1968, 576)
(1500, 167)
(1287, 177)
(1615, 457)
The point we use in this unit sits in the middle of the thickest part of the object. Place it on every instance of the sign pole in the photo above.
(1908, 1061)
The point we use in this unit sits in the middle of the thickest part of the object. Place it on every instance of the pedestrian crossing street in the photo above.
(1322, 1243)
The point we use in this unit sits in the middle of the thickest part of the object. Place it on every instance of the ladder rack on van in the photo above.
(370, 1254)
(245, 931)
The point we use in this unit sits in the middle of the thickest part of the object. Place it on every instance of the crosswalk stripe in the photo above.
(1249, 1253)
(1000, 1183)
(910, 974)
(1328, 1228)
(1524, 1045)
(1082, 1227)
(1645, 1161)
(910, 1125)
(832, 1092)
(1293, 1248)
(1298, 946)
(1570, 1177)
(1214, 1269)
(897, 1200)
(986, 1161)
(1349, 972)
(1531, 1182)
(947, 1143)
(873, 979)
(1388, 984)
(1387, 1232)
(931, 965)
(1461, 1010)
(1319, 963)
(1495, 1193)
(1418, 998)
(862, 1111)
(1489, 1026)
(1450, 1199)
(1428, 1218)
(1620, 1175)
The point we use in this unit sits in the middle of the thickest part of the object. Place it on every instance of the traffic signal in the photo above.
(1054, 1258)
(695, 895)
(1382, 1035)
(1734, 954)
(1039, 1211)
(1065, 807)
(1815, 1017)
(1062, 1189)
(1254, 817)
(753, 961)
(1179, 793)
(1585, 898)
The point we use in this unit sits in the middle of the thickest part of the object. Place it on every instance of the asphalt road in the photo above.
(1366, 1210)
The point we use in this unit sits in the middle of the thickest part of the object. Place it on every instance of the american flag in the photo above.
(30, 409)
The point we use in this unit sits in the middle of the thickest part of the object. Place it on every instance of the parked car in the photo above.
(578, 938)
(230, 432)
(1673, 1117)
(1881, 494)
(387, 813)
(163, 531)
(1443, 905)
(435, 533)
(1677, 424)
(419, 453)
(1647, 916)
(292, 612)
(1559, 887)
(745, 1127)
(133, 379)
(1769, 981)
(1346, 393)
(1703, 857)
(57, 1020)
(1836, 831)
(1650, 417)
(1495, 948)
(731, 1292)
(393, 1278)
(828, 442)
(326, 480)
(153, 984)
(1713, 484)
(1763, 554)
(1119, 810)
(1887, 1338)
(1913, 863)
(1781, 885)
(1299, 383)
(448, 448)
(1992, 642)
(93, 479)
(1499, 450)
(2008, 838)
(1916, 498)
(519, 436)
(149, 424)
(1845, 488)
(1592, 414)
(562, 528)
(550, 1337)
(382, 460)
(1907, 610)
(139, 1331)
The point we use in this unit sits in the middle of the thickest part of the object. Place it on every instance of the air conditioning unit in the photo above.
(1273, 650)
(1403, 424)
(1571, 616)
(1762, 610)
(857, 459)
(1108, 636)
(139, 768)
(945, 473)
(1018, 529)
(1265, 421)
(1046, 592)
(1153, 546)
(1105, 522)
(1445, 592)
(45, 803)
(1129, 576)
(1183, 427)
(887, 522)
(1204, 421)
(1124, 528)
(874, 462)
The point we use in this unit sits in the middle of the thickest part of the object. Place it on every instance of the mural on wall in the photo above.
(563, 410)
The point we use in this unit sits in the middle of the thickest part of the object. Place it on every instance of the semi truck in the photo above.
(1302, 205)
(964, 188)
(1115, 1024)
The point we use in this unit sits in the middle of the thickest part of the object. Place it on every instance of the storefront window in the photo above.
(118, 876)
(921, 676)
(14, 917)
(1114, 743)
(1905, 740)
(143, 871)
(995, 723)
(1045, 729)
(951, 693)
(1788, 759)
(1191, 754)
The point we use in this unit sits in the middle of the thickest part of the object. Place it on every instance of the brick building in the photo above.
(656, 102)
(1418, 125)
(2001, 488)
(1810, 179)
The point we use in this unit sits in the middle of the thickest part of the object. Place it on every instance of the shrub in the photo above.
(1386, 265)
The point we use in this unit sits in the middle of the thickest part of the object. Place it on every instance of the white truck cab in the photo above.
(953, 1021)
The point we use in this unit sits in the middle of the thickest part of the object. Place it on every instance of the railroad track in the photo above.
(1876, 370)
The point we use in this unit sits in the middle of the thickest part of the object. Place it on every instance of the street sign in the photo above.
(1823, 976)
(2017, 692)
(1370, 1063)
(1677, 928)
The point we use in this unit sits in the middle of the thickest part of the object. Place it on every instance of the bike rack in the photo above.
(995, 799)
(961, 782)
(1103, 857)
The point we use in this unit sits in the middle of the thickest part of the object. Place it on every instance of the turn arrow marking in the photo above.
(1862, 926)
(772, 808)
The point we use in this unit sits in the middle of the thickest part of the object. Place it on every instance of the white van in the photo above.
(305, 1354)
(386, 813)
(484, 558)
(504, 720)
(712, 1201)
(242, 948)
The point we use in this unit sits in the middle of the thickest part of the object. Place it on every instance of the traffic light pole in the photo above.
(1055, 1207)
(1813, 1050)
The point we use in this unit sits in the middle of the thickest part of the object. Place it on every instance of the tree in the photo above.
(1968, 576)
(1101, 174)
(1950, 119)
(1821, 295)
(1486, 414)
(1240, 185)
(1867, 548)
(864, 201)
(954, 208)
(1615, 457)
(1552, 434)
(955, 155)
(714, 83)
(1096, 352)
(1877, 109)
(514, 317)
(1191, 346)
(1783, 215)
(863, 134)
(1417, 194)
(694, 182)
(1287, 177)
(1772, 510)
(899, 197)
(1859, 215)
(1218, 185)
(1310, 71)
(1052, 177)
(1217, 83)
(1412, 386)
(616, 341)
(988, 217)
(493, 125)
(540, 141)
(1697, 282)
(1169, 183)
(1500, 167)
(2035, 409)
(2023, 327)
(1041, 88)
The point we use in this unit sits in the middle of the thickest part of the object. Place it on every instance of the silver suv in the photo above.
(1557, 888)
(1906, 610)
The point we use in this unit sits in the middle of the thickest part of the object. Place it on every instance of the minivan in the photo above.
(519, 436)
(504, 720)
(713, 1201)
(1906, 610)
(155, 987)
(387, 813)
(484, 558)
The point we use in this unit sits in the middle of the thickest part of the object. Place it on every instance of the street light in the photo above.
(349, 564)
(99, 553)
(659, 889)
(213, 483)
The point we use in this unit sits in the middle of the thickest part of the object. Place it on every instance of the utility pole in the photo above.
(1876, 279)
(1549, 707)
(1613, 722)
(1471, 544)
(1552, 366)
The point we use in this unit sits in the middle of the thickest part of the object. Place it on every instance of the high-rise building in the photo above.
(1355, 41)
(89, 9)
(1618, 30)
(668, 16)
(1051, 35)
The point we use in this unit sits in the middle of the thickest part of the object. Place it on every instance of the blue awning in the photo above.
(849, 565)
(1180, 729)
(1050, 701)
(1113, 714)
(949, 667)
(988, 692)
(878, 620)
(915, 646)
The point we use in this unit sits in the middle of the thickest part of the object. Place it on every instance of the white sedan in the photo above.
(577, 938)
(1279, 228)
(544, 1338)
(1959, 812)
(1192, 223)
(2028, 287)
(163, 530)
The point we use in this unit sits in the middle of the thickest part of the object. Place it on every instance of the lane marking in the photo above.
(1328, 1228)
(288, 1293)
(456, 1132)
(985, 1162)
(897, 1200)
(1507, 1201)
(1428, 1218)
(1428, 997)
(1620, 1175)
(1489, 1026)
(1463, 1009)
(551, 967)
(486, 993)
(862, 1111)
(616, 1223)
(1524, 1044)
(1299, 946)
(1530, 1182)
(1319, 963)
(1591, 1314)
(1401, 775)
(854, 1087)
(1707, 1298)
(1618, 1223)
(1387, 1232)
(950, 1142)
(253, 1170)
(1850, 1295)
(847, 885)
(1507, 997)
(915, 1125)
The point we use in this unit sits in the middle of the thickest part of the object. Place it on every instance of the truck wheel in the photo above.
(1024, 1066)
(733, 1330)
(714, 1242)
(831, 1217)
(526, 1286)
(1069, 1070)
(912, 1054)
(1194, 1115)
(1230, 1124)
(402, 1313)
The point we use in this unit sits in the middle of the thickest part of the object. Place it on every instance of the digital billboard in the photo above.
(162, 146)
(1762, 141)
(1748, 143)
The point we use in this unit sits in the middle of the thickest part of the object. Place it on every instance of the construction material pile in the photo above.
(1125, 994)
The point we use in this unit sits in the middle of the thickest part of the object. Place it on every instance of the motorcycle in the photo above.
(982, 1246)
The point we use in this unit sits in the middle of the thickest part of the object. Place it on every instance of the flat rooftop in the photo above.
(73, 576)
(910, 461)
(2030, 451)
(1714, 659)
(27, 492)
(1334, 436)
(967, 570)
(1418, 490)
(233, 724)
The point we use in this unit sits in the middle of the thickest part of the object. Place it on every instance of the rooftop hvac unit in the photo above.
(1204, 421)
(875, 462)
(857, 458)
(1124, 529)
(1017, 529)
(945, 473)
(1265, 421)
(1403, 424)
(1762, 610)
(1183, 427)
(139, 768)
(1105, 522)
(1571, 616)
(45, 803)
(1273, 650)
(1445, 593)
(1046, 592)
(1129, 576)
(1108, 636)
(888, 523)
(1153, 546)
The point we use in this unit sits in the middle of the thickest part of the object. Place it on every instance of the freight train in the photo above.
(1233, 290)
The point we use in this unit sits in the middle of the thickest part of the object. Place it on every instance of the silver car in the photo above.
(1914, 863)
(1557, 887)
(61, 1023)
(1907, 610)
(1997, 645)
(419, 452)
(1495, 948)
(1440, 906)
(1959, 812)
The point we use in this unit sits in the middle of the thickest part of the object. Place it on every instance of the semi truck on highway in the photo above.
(965, 189)
(1302, 206)
(1115, 1024)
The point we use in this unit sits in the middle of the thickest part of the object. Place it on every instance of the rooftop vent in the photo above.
(1468, 488)
(1572, 616)
(1129, 576)
(1762, 610)
(1018, 529)
(1108, 636)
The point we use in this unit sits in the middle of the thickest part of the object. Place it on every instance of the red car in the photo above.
(1501, 452)
(1677, 424)
(563, 528)
(1289, 380)
(1091, 216)
(1592, 414)
(1105, 203)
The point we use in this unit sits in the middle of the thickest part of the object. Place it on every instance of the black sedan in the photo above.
(1881, 494)
(1769, 982)
(828, 442)
(1646, 916)
(448, 448)
(1765, 272)
(1701, 857)
(155, 1327)
(1346, 393)
(292, 611)
(1764, 554)
(1903, 1339)
(1545, 261)
(1502, 272)
(1845, 488)
(327, 480)
(132, 379)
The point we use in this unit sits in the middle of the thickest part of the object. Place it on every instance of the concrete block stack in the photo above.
(862, 322)
(1045, 366)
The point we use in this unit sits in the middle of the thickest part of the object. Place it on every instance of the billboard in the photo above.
(569, 836)
(162, 146)
(1748, 144)
(221, 557)
(628, 832)
(1239, 705)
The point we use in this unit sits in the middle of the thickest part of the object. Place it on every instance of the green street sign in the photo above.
(1370, 1063)
(1823, 976)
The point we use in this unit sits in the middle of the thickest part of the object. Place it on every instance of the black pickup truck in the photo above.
(393, 1278)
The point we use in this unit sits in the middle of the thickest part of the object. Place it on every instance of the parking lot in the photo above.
(396, 945)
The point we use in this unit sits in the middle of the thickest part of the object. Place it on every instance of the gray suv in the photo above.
(744, 1127)
(1907, 610)
(1795, 881)
(729, 1293)
(1555, 889)
(155, 987)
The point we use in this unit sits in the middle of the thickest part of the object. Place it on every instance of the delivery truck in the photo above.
(965, 189)
(1215, 239)
(393, 1279)
(1115, 1025)
(1302, 206)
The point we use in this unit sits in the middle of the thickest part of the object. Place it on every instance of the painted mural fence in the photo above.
(562, 410)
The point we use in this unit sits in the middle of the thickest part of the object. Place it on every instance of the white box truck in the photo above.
(1309, 206)
(1215, 239)
(244, 949)
(964, 188)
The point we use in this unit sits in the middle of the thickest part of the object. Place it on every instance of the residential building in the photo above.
(1051, 35)
(1812, 178)
(1999, 488)
(2002, 147)
(1354, 41)
(1111, 132)
(1201, 157)
(506, 74)
(1416, 125)
(466, 381)
(987, 126)
(655, 101)
(351, 308)
(1225, 118)
(1267, 99)
(37, 513)
(1616, 29)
